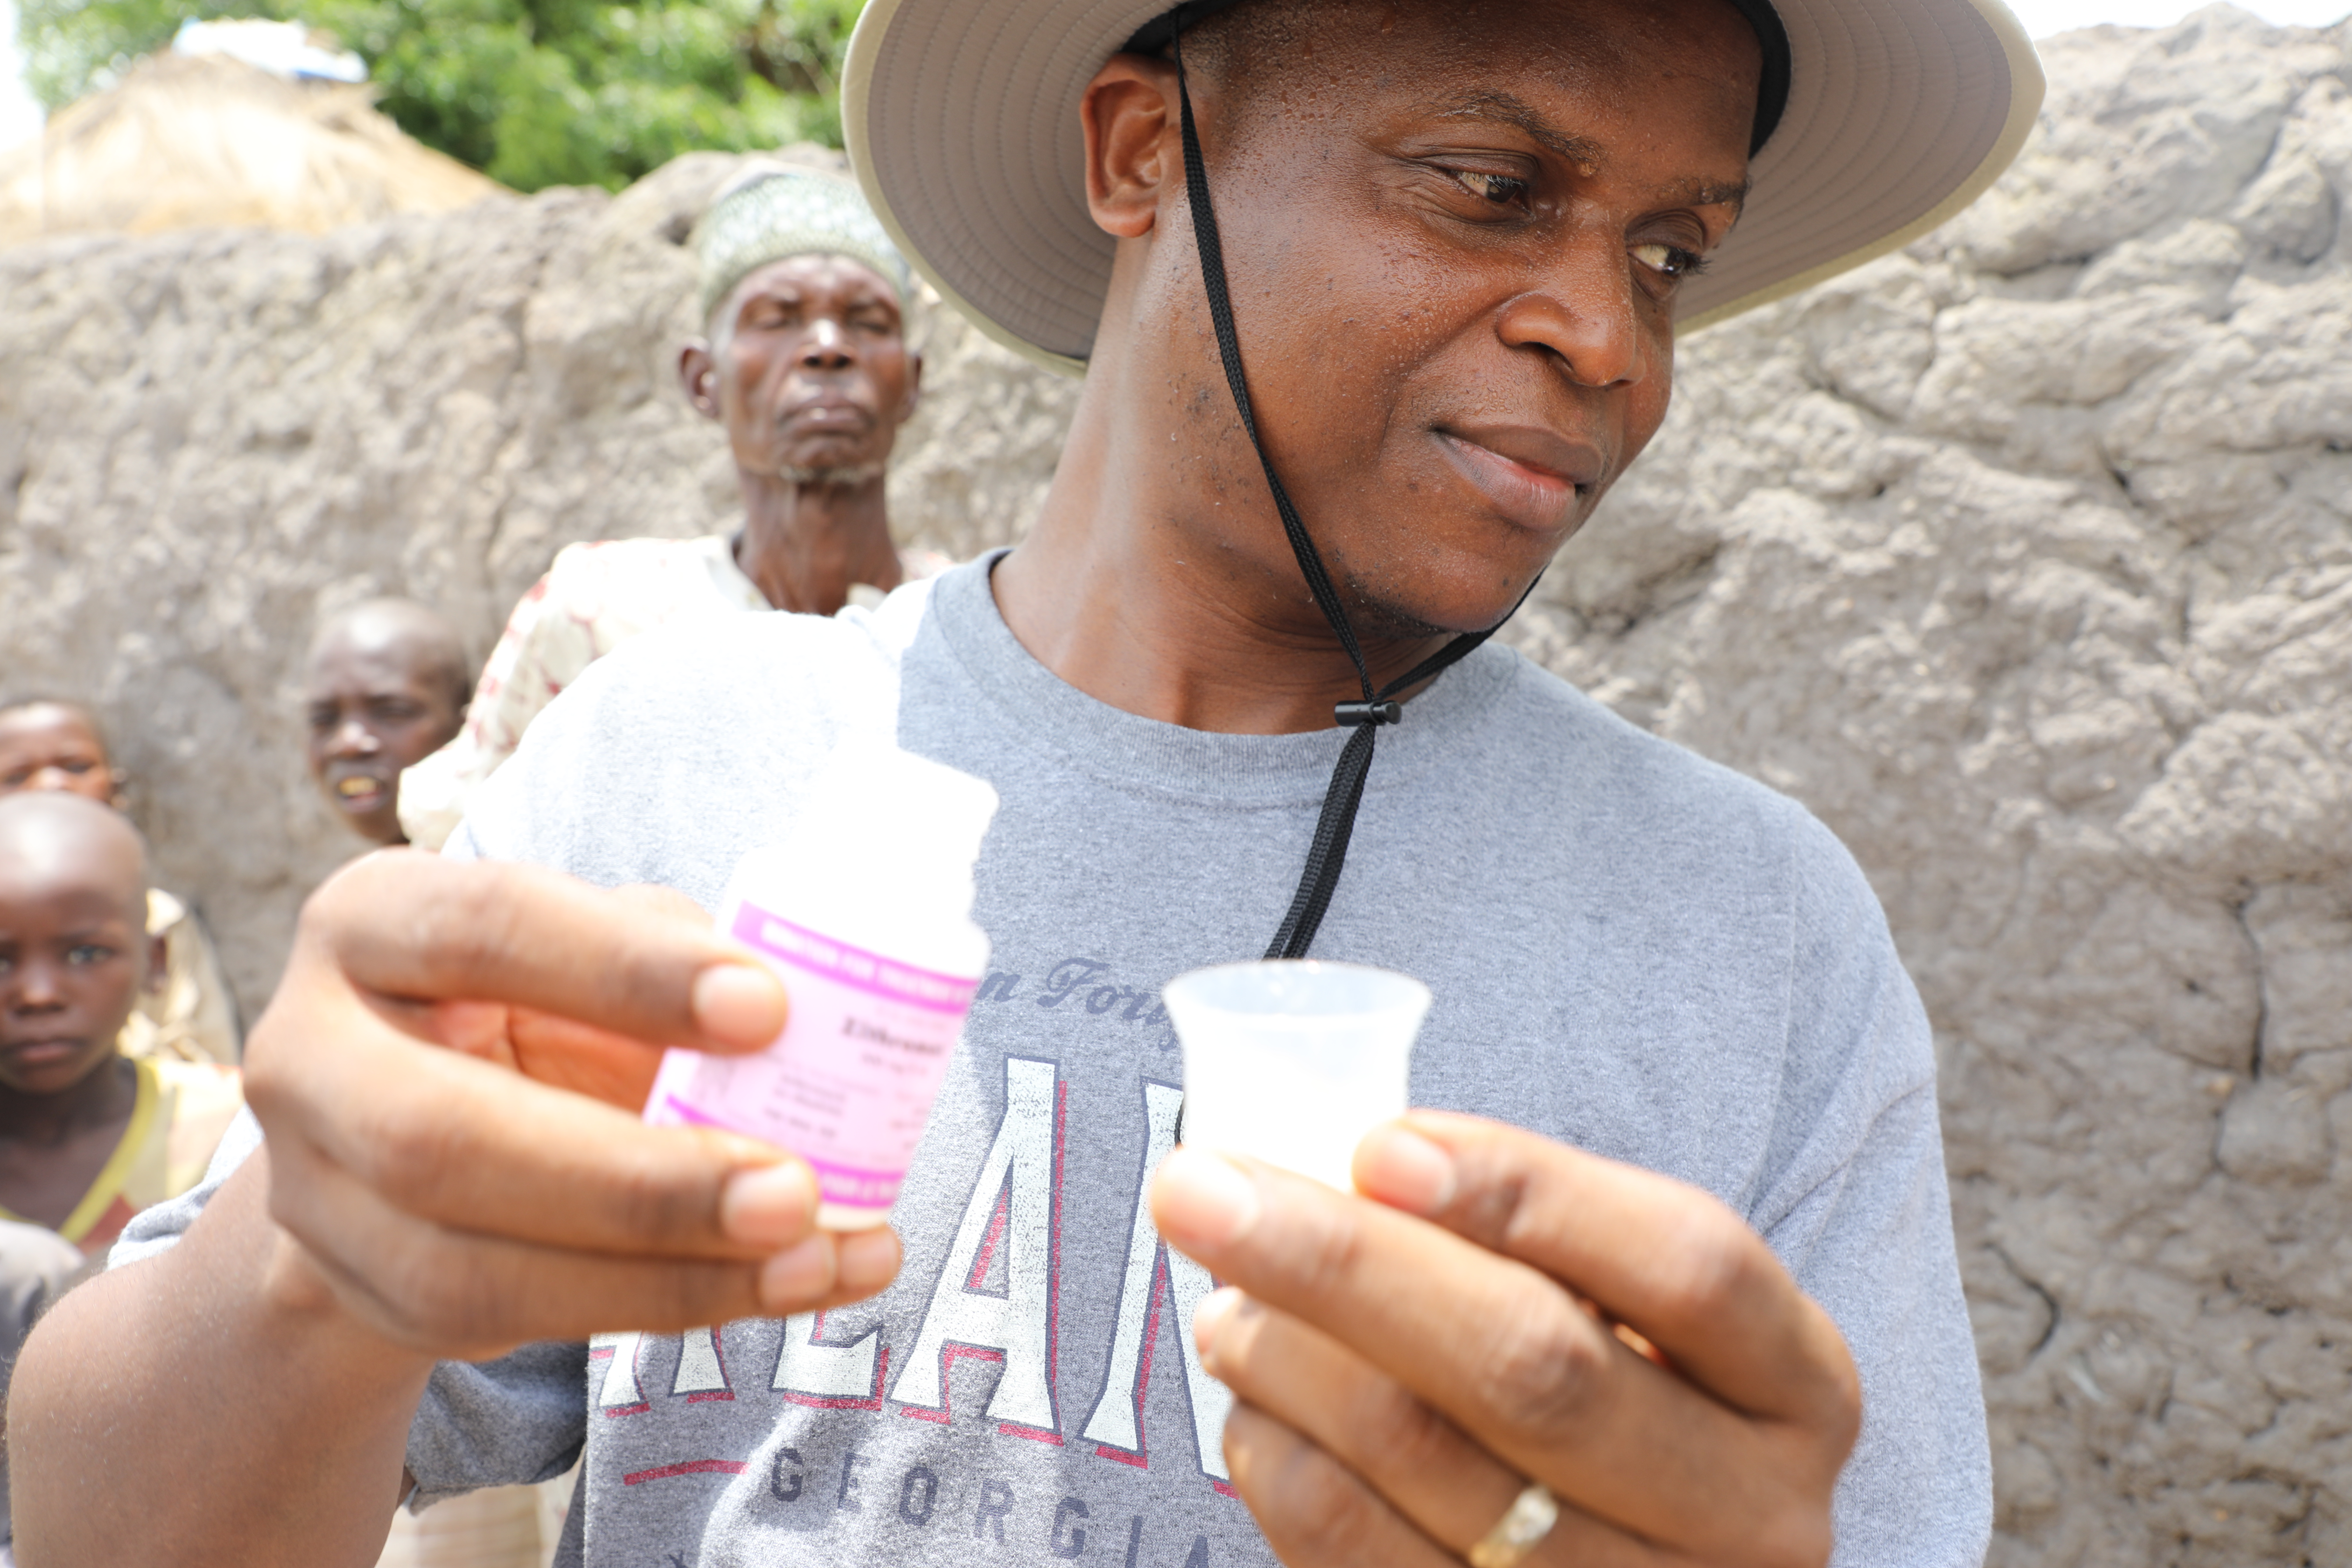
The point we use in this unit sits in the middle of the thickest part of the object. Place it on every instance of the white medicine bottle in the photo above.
(864, 910)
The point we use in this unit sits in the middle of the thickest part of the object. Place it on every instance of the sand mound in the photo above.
(186, 141)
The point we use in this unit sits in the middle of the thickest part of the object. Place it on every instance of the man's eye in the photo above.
(1670, 260)
(1500, 189)
(89, 952)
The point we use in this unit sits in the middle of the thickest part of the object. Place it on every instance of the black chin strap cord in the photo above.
(1328, 853)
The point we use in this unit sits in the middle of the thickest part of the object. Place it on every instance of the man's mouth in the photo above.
(842, 418)
(359, 789)
(1533, 476)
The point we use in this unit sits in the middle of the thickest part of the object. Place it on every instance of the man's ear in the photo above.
(698, 377)
(1133, 153)
(914, 387)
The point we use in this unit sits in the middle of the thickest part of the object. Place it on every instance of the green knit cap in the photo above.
(771, 211)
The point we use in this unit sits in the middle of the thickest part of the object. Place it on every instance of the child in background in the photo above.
(87, 1136)
(387, 687)
(190, 1015)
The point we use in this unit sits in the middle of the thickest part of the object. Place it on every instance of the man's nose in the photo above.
(352, 739)
(49, 775)
(826, 347)
(1588, 315)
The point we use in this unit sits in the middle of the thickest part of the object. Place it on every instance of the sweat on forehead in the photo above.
(51, 840)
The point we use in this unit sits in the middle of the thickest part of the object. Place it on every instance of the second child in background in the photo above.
(807, 364)
(386, 686)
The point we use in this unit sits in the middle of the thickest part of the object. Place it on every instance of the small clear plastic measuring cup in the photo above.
(1293, 1062)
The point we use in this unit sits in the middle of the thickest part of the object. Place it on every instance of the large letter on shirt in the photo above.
(619, 1393)
(1010, 1206)
(810, 1372)
(1117, 1422)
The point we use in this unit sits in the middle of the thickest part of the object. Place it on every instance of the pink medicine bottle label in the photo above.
(849, 1083)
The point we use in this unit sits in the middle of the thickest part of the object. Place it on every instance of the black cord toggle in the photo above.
(1350, 714)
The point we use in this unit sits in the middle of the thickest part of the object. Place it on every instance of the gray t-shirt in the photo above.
(1633, 950)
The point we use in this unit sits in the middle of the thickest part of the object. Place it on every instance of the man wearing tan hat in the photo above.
(1377, 294)
(810, 364)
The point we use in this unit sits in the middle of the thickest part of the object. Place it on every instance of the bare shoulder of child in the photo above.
(74, 956)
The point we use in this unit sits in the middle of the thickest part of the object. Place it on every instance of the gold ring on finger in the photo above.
(1521, 1529)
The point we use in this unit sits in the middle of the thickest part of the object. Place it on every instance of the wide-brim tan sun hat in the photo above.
(961, 118)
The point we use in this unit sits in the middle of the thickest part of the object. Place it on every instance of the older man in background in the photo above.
(808, 365)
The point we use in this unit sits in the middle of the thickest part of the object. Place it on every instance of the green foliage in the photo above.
(534, 92)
